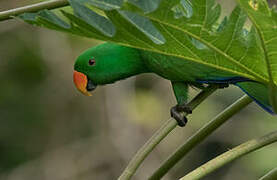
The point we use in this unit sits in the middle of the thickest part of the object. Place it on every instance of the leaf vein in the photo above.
(255, 74)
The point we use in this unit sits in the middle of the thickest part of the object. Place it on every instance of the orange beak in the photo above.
(81, 81)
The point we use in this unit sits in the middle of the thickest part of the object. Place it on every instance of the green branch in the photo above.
(271, 175)
(52, 4)
(200, 135)
(160, 134)
(231, 155)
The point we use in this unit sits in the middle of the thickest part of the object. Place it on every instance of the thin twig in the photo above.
(231, 155)
(200, 135)
(160, 134)
(52, 4)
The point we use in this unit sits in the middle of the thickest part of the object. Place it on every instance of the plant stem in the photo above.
(231, 155)
(200, 135)
(271, 175)
(52, 4)
(147, 148)
(160, 134)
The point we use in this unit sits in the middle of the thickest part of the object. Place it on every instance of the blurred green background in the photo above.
(49, 131)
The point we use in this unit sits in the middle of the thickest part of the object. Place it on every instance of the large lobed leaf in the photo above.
(265, 21)
(229, 49)
(180, 28)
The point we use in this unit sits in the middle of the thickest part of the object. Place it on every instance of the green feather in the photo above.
(114, 62)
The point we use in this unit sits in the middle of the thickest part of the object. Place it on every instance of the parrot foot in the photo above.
(175, 113)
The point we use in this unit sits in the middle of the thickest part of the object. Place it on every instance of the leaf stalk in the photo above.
(200, 135)
(160, 134)
(52, 4)
(231, 155)
(271, 175)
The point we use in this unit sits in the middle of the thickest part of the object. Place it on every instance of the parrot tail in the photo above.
(258, 92)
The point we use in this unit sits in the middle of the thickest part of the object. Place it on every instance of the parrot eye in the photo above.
(91, 62)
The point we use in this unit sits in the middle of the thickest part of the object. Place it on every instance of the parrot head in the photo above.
(105, 64)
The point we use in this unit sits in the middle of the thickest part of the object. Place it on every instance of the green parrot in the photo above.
(108, 63)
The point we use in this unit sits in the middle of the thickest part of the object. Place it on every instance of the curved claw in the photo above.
(181, 120)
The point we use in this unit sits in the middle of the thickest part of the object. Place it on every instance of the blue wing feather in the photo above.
(257, 91)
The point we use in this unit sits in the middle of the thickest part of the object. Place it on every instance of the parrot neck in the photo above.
(123, 63)
(129, 66)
